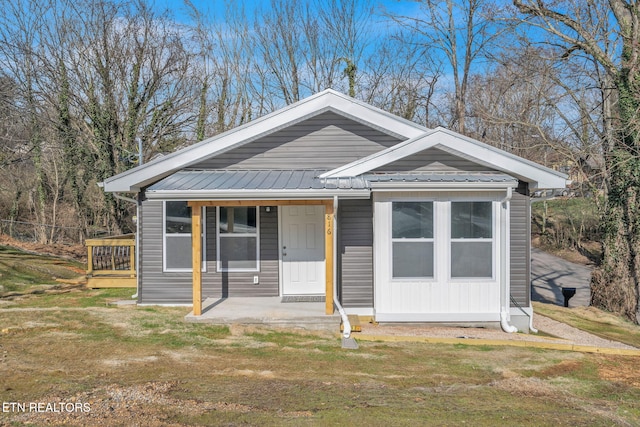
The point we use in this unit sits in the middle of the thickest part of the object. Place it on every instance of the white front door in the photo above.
(302, 250)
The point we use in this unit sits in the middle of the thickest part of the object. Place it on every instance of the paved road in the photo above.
(549, 274)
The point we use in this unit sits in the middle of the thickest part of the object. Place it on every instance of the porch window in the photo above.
(238, 242)
(177, 236)
(412, 239)
(471, 239)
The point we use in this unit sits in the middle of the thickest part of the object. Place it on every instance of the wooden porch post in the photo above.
(196, 256)
(89, 259)
(132, 260)
(328, 254)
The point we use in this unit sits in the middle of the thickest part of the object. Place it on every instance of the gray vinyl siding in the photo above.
(521, 246)
(240, 284)
(433, 159)
(158, 287)
(355, 252)
(325, 141)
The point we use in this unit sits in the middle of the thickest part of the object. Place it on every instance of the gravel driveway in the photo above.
(549, 274)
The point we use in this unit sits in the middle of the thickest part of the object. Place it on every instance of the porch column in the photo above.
(328, 254)
(196, 256)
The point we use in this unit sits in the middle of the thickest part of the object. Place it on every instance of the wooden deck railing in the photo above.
(111, 262)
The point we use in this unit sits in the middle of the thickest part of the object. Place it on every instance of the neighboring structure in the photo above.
(331, 196)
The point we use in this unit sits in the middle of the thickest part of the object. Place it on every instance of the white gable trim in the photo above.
(328, 100)
(536, 175)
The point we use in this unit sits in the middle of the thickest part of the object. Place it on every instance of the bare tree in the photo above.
(593, 28)
(399, 77)
(512, 107)
(131, 81)
(306, 46)
(461, 31)
(223, 69)
(92, 78)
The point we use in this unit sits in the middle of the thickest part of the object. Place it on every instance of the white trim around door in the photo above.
(302, 251)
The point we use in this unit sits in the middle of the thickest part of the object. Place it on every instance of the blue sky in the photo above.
(404, 7)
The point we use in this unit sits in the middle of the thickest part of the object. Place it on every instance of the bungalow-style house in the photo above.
(333, 199)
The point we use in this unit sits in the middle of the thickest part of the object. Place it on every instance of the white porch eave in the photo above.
(257, 194)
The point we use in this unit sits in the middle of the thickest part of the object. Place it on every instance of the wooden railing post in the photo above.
(89, 260)
(132, 260)
(111, 271)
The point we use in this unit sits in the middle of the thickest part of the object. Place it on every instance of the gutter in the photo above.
(504, 300)
(197, 195)
(441, 186)
(125, 198)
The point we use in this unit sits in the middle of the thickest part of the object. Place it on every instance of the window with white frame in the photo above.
(177, 236)
(471, 240)
(238, 242)
(412, 240)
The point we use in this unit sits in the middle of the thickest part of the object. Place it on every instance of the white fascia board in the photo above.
(328, 100)
(524, 169)
(441, 186)
(537, 175)
(382, 120)
(381, 158)
(257, 194)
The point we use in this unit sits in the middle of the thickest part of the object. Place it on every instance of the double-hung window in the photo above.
(177, 236)
(412, 240)
(471, 240)
(238, 245)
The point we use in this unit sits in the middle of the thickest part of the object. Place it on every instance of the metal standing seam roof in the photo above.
(203, 180)
(274, 180)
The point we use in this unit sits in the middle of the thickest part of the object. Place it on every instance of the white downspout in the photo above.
(137, 249)
(346, 325)
(504, 297)
(531, 328)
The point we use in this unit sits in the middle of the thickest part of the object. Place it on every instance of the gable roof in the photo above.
(328, 100)
(536, 175)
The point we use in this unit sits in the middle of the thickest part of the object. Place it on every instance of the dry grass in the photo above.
(150, 365)
(146, 366)
(595, 321)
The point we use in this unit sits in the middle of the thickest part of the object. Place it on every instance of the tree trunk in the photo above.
(616, 284)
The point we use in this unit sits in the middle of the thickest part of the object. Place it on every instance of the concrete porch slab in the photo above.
(266, 311)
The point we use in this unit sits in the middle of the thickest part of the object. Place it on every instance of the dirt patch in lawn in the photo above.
(73, 252)
(624, 370)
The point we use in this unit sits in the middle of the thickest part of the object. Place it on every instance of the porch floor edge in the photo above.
(267, 311)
